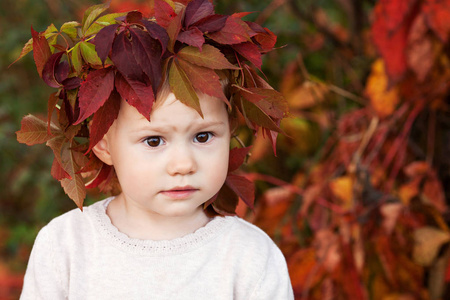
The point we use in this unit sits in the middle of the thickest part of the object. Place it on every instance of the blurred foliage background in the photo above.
(357, 195)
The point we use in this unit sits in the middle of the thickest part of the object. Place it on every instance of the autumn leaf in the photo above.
(182, 88)
(137, 93)
(437, 14)
(34, 131)
(235, 31)
(243, 188)
(100, 177)
(41, 50)
(193, 37)
(124, 59)
(250, 51)
(204, 80)
(237, 158)
(342, 189)
(209, 57)
(104, 40)
(428, 241)
(50, 70)
(89, 54)
(164, 13)
(94, 92)
(211, 23)
(103, 119)
(73, 187)
(383, 99)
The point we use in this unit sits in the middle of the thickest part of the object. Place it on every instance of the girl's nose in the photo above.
(181, 162)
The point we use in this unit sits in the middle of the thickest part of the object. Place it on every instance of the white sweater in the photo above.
(81, 255)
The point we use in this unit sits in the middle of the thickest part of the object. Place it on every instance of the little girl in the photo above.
(145, 110)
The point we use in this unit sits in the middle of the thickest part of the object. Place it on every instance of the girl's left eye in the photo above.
(203, 137)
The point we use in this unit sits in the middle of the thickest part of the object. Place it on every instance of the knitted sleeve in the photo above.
(274, 283)
(43, 280)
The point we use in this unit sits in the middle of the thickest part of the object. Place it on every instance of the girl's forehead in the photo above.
(170, 111)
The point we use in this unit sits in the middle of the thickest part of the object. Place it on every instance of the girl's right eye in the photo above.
(154, 141)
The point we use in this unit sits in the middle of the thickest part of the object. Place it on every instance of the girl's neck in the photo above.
(143, 225)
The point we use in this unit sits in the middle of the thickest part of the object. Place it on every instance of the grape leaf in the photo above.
(157, 32)
(48, 73)
(147, 52)
(103, 119)
(34, 131)
(58, 172)
(235, 31)
(250, 51)
(136, 93)
(89, 54)
(196, 10)
(164, 13)
(204, 80)
(102, 22)
(193, 37)
(237, 158)
(41, 50)
(182, 87)
(94, 91)
(211, 23)
(101, 176)
(104, 41)
(73, 187)
(91, 14)
(243, 187)
(70, 28)
(123, 57)
(209, 57)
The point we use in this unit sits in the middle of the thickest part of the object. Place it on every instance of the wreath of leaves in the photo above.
(125, 55)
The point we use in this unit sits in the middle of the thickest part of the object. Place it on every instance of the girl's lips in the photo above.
(179, 192)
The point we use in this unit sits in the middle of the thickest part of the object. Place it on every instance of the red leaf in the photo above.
(224, 202)
(193, 37)
(137, 94)
(164, 13)
(235, 31)
(250, 51)
(211, 23)
(94, 92)
(41, 50)
(58, 172)
(102, 175)
(390, 32)
(204, 80)
(437, 14)
(243, 187)
(48, 73)
(196, 10)
(104, 40)
(123, 57)
(34, 131)
(157, 32)
(147, 52)
(103, 119)
(237, 158)
(134, 17)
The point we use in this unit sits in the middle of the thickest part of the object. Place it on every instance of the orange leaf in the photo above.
(428, 242)
(383, 100)
(342, 189)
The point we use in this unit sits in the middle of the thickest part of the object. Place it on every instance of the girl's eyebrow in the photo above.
(169, 128)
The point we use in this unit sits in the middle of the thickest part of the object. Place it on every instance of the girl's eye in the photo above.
(203, 137)
(154, 141)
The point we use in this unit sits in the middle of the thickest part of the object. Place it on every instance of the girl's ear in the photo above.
(101, 150)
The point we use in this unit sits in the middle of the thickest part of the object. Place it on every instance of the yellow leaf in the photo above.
(383, 100)
(342, 188)
(428, 241)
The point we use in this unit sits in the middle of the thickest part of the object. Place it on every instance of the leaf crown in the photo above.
(125, 55)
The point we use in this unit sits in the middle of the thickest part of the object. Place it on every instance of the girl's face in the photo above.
(176, 162)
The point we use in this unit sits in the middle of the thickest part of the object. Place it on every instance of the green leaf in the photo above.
(91, 14)
(182, 87)
(102, 22)
(77, 61)
(209, 57)
(70, 28)
(34, 131)
(89, 54)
